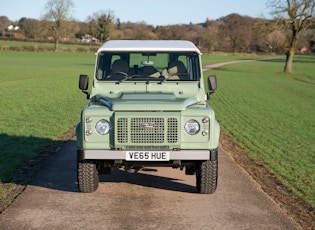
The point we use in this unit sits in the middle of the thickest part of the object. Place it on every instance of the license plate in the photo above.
(147, 156)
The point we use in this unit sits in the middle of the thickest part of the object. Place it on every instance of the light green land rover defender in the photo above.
(148, 108)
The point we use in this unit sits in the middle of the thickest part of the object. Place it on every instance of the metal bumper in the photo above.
(194, 155)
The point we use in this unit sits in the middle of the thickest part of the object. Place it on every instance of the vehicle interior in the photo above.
(121, 66)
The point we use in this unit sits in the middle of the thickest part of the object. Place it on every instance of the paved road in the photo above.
(157, 198)
(217, 65)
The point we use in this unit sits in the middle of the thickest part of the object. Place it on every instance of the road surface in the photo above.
(155, 198)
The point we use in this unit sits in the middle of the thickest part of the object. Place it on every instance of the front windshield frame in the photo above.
(144, 66)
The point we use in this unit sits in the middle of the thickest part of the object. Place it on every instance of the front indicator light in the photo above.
(205, 132)
(102, 127)
(205, 119)
(88, 132)
(192, 127)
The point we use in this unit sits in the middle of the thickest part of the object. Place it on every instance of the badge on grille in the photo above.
(147, 125)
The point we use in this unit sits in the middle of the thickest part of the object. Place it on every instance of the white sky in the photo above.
(153, 12)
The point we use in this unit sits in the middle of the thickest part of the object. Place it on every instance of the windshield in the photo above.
(179, 66)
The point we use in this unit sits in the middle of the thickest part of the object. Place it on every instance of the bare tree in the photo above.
(172, 32)
(236, 32)
(295, 16)
(275, 41)
(306, 38)
(105, 23)
(57, 12)
(101, 24)
(4, 23)
(140, 31)
(31, 27)
(208, 38)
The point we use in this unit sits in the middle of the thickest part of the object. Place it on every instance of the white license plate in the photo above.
(147, 156)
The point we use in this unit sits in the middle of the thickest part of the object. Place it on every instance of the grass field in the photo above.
(43, 47)
(39, 99)
(226, 57)
(271, 115)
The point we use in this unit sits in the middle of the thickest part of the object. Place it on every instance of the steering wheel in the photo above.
(118, 72)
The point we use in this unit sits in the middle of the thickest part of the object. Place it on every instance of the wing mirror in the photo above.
(84, 84)
(212, 85)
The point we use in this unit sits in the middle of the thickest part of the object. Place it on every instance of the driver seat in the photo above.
(120, 65)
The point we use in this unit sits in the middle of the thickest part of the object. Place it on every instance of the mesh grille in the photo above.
(172, 127)
(146, 130)
(122, 130)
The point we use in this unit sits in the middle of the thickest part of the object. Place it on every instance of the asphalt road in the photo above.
(156, 198)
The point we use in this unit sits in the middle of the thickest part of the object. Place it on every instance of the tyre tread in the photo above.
(87, 176)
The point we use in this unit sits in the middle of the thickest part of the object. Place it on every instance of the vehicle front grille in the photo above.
(147, 130)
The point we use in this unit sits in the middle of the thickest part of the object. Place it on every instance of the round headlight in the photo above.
(192, 127)
(102, 127)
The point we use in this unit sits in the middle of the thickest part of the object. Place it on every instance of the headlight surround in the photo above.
(192, 127)
(102, 127)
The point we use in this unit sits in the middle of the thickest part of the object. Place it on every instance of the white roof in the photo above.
(149, 46)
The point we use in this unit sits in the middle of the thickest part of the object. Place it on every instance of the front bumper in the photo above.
(187, 155)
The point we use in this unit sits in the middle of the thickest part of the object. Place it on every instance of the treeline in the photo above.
(232, 33)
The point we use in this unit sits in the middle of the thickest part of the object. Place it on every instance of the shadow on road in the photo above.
(152, 181)
(60, 173)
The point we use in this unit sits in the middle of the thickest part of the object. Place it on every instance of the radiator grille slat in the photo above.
(147, 130)
(172, 127)
(122, 130)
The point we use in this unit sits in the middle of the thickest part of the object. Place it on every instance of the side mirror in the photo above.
(212, 82)
(212, 85)
(84, 82)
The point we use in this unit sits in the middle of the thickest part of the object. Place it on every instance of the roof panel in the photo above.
(149, 46)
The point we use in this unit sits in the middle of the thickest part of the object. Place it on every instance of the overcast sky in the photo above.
(161, 12)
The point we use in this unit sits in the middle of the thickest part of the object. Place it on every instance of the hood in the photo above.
(147, 102)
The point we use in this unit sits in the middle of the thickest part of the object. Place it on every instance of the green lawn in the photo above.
(44, 47)
(271, 114)
(227, 57)
(39, 99)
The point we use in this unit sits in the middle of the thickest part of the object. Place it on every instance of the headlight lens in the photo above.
(102, 127)
(192, 127)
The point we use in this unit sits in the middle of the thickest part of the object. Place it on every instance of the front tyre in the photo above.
(87, 176)
(207, 176)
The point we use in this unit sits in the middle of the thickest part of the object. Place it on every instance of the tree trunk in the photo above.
(289, 60)
(56, 45)
(290, 53)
